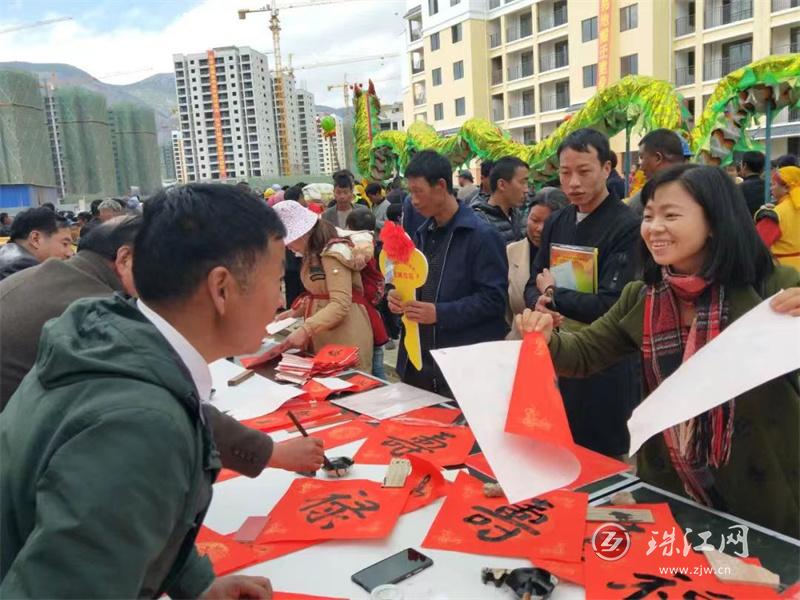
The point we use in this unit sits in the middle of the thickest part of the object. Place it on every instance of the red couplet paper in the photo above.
(425, 484)
(550, 527)
(290, 596)
(658, 557)
(335, 355)
(536, 409)
(279, 419)
(442, 445)
(225, 554)
(325, 510)
(595, 466)
(479, 463)
(361, 383)
(225, 474)
(344, 433)
(439, 414)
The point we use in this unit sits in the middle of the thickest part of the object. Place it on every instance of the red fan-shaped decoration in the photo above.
(396, 243)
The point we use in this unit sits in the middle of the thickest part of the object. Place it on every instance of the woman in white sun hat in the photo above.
(334, 305)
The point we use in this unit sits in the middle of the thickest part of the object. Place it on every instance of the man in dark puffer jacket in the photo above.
(503, 210)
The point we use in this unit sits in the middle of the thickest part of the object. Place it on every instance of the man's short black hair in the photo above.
(432, 166)
(3, 217)
(342, 180)
(486, 168)
(360, 219)
(665, 142)
(787, 160)
(581, 140)
(293, 193)
(465, 174)
(373, 188)
(754, 161)
(85, 215)
(505, 169)
(613, 158)
(95, 206)
(36, 219)
(107, 238)
(49, 206)
(189, 230)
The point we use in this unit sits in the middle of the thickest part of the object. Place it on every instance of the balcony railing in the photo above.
(418, 68)
(494, 40)
(520, 109)
(518, 31)
(549, 20)
(719, 68)
(794, 114)
(728, 13)
(519, 71)
(684, 75)
(497, 114)
(554, 60)
(555, 102)
(497, 76)
(787, 49)
(419, 99)
(684, 25)
(784, 4)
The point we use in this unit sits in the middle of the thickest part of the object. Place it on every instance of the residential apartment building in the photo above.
(309, 132)
(226, 114)
(392, 117)
(292, 120)
(527, 64)
(178, 157)
(331, 150)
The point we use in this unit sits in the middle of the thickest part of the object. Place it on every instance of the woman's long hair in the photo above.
(736, 255)
(322, 233)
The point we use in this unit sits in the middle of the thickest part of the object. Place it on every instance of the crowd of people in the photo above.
(110, 446)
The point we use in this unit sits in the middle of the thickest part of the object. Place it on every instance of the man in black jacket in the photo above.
(36, 235)
(509, 184)
(598, 407)
(752, 185)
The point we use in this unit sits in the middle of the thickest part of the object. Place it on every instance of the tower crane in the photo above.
(280, 90)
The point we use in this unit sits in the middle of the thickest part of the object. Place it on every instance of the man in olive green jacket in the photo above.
(108, 458)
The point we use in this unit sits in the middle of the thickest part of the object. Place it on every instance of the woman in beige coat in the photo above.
(334, 303)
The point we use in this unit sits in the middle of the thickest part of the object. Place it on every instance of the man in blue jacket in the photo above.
(464, 297)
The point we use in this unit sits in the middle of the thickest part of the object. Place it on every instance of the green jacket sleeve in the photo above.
(599, 345)
(107, 504)
(194, 579)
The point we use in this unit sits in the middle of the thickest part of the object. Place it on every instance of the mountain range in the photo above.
(156, 91)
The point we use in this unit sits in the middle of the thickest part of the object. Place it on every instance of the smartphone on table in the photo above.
(393, 569)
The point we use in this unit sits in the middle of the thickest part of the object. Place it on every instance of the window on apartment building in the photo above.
(438, 112)
(435, 41)
(461, 107)
(629, 65)
(590, 75)
(629, 17)
(433, 7)
(458, 70)
(436, 76)
(589, 29)
(454, 2)
(456, 33)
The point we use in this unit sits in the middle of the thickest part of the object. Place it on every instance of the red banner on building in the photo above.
(603, 43)
(212, 78)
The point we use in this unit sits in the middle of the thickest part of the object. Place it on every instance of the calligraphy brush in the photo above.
(302, 430)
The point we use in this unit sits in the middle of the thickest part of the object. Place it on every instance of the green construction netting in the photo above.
(25, 152)
(135, 148)
(86, 152)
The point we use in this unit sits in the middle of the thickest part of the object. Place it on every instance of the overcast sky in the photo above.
(122, 41)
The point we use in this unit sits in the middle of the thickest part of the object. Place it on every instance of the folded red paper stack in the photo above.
(330, 361)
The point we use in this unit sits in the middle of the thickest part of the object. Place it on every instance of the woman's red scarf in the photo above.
(703, 441)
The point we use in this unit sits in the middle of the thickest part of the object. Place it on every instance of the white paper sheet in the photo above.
(757, 347)
(333, 383)
(389, 401)
(252, 398)
(482, 377)
(277, 326)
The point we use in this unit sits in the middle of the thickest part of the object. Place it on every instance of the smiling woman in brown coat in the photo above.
(705, 266)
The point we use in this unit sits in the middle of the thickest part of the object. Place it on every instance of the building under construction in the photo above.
(68, 139)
